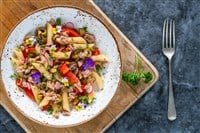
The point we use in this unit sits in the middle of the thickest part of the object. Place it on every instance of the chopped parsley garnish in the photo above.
(53, 76)
(30, 55)
(58, 21)
(85, 28)
(14, 76)
(66, 55)
(43, 46)
(50, 110)
(59, 104)
(39, 41)
(99, 67)
(83, 99)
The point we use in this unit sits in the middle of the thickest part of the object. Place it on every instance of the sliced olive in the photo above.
(41, 31)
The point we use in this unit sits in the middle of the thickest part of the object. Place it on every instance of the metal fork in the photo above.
(168, 48)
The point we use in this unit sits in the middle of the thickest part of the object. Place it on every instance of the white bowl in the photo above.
(106, 43)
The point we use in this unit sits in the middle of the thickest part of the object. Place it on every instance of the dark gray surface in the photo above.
(141, 21)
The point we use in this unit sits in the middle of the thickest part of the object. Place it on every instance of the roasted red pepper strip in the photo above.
(71, 32)
(63, 69)
(18, 82)
(28, 92)
(46, 107)
(96, 52)
(71, 77)
(77, 91)
(27, 51)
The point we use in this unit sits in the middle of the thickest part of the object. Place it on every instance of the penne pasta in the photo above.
(98, 80)
(61, 55)
(49, 34)
(16, 62)
(77, 40)
(101, 58)
(18, 54)
(65, 100)
(35, 91)
(44, 102)
(37, 48)
(17, 58)
(82, 46)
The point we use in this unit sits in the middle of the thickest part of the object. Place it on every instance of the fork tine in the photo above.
(170, 34)
(173, 34)
(166, 33)
(163, 39)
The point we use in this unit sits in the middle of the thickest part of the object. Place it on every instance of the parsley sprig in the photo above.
(138, 74)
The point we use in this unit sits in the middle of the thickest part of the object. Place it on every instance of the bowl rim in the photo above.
(62, 6)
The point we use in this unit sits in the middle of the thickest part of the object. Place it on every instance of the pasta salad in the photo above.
(58, 67)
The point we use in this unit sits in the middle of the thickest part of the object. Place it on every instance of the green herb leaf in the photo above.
(60, 104)
(58, 21)
(50, 110)
(147, 77)
(53, 76)
(135, 77)
(30, 55)
(85, 28)
(39, 41)
(14, 76)
(84, 99)
(138, 74)
(43, 45)
(99, 67)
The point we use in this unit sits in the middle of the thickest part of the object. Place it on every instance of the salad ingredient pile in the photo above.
(58, 67)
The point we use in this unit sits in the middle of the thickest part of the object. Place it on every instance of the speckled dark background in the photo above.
(141, 21)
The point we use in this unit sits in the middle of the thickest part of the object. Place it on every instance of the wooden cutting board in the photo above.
(14, 10)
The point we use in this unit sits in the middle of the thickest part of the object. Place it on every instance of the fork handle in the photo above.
(171, 104)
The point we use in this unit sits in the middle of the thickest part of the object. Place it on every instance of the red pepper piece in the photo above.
(77, 91)
(27, 51)
(63, 69)
(96, 52)
(28, 92)
(71, 32)
(18, 82)
(46, 107)
(72, 77)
